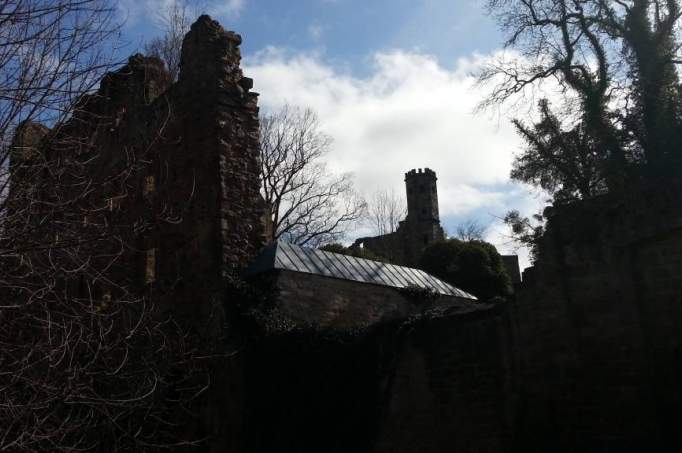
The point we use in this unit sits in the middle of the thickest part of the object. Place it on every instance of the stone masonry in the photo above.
(175, 167)
(189, 207)
(598, 326)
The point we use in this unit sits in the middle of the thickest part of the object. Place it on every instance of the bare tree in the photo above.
(175, 21)
(470, 230)
(88, 362)
(385, 210)
(308, 204)
(51, 52)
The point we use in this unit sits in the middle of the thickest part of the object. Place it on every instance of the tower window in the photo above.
(426, 239)
(421, 189)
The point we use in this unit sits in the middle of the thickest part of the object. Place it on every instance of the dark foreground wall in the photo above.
(175, 168)
(599, 327)
(588, 358)
(449, 387)
(429, 385)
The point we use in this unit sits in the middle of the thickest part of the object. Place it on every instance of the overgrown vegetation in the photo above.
(526, 231)
(611, 111)
(620, 113)
(474, 266)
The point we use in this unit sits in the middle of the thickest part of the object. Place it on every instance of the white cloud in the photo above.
(411, 112)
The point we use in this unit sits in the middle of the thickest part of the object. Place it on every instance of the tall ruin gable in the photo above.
(173, 166)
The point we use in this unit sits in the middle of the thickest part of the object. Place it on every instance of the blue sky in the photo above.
(391, 81)
(345, 31)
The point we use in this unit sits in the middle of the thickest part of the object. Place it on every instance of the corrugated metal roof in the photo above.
(311, 261)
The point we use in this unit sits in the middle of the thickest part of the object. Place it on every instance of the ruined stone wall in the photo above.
(175, 164)
(589, 358)
(405, 245)
(169, 172)
(598, 326)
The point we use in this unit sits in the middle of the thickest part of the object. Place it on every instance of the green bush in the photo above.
(474, 266)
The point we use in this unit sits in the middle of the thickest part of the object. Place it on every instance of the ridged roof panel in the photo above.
(295, 258)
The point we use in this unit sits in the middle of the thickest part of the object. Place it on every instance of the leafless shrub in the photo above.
(470, 230)
(385, 210)
(175, 21)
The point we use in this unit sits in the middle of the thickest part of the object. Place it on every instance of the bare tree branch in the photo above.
(385, 210)
(89, 361)
(308, 204)
(470, 230)
(175, 20)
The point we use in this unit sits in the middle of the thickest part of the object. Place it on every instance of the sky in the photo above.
(392, 83)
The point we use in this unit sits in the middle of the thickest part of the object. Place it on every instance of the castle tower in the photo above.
(422, 195)
(420, 228)
(422, 225)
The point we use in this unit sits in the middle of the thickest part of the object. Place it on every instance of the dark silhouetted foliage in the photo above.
(474, 266)
(526, 231)
(619, 117)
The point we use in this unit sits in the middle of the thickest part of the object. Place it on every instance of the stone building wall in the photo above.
(173, 175)
(588, 358)
(598, 326)
(337, 304)
(175, 164)
(450, 386)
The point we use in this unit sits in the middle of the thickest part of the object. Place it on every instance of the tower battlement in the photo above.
(416, 172)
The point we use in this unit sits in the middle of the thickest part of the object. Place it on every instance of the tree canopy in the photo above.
(618, 112)
(474, 266)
